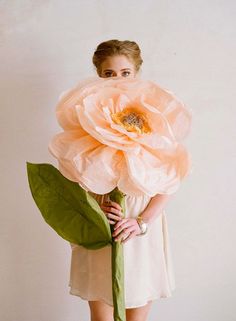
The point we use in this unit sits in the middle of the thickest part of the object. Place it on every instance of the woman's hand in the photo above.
(126, 228)
(112, 210)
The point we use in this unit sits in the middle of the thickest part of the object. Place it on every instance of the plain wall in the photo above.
(187, 47)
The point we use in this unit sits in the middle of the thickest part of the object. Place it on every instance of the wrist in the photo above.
(143, 225)
(145, 217)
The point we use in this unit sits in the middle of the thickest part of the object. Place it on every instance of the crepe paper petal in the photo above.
(118, 264)
(70, 210)
(132, 125)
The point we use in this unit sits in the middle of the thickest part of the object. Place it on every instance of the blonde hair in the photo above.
(113, 47)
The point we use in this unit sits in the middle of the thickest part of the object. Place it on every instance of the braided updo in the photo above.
(113, 47)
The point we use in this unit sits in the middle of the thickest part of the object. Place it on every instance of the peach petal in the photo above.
(103, 135)
(153, 179)
(102, 162)
(121, 103)
(93, 148)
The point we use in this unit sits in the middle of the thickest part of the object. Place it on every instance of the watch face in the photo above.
(143, 227)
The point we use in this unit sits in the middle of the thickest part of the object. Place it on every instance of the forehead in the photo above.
(117, 62)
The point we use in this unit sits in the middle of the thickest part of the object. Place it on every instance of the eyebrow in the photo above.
(121, 69)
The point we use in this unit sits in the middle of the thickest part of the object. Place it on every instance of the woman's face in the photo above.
(116, 66)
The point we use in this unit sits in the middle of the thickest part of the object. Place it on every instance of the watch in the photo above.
(143, 225)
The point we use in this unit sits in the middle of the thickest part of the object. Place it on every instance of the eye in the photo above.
(127, 73)
(108, 74)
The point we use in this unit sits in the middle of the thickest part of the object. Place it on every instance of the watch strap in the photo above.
(140, 222)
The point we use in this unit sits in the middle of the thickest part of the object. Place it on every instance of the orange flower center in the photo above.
(132, 120)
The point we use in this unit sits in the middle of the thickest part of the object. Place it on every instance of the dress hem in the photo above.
(128, 306)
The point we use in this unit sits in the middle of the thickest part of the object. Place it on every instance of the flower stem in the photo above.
(118, 264)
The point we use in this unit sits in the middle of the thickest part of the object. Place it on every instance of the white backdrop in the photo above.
(187, 47)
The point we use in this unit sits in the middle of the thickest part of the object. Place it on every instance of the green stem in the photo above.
(118, 264)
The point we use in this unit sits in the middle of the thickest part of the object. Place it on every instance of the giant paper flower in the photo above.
(122, 132)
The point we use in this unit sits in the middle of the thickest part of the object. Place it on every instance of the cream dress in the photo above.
(148, 266)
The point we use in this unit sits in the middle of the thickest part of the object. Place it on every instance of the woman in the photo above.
(147, 257)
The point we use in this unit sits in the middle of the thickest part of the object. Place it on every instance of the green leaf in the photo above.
(77, 217)
(70, 210)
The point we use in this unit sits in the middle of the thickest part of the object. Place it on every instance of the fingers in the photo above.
(114, 217)
(123, 223)
(132, 234)
(127, 228)
(116, 205)
(124, 227)
(126, 233)
(113, 204)
(120, 226)
(112, 210)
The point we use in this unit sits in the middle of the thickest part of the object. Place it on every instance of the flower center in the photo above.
(132, 120)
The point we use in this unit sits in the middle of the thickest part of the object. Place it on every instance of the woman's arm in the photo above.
(155, 207)
(130, 225)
